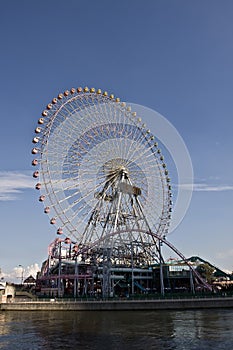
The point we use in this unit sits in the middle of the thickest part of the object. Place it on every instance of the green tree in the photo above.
(206, 271)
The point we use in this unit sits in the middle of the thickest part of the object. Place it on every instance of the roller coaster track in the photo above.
(163, 240)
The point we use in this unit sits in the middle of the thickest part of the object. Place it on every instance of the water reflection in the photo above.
(4, 328)
(203, 329)
(170, 330)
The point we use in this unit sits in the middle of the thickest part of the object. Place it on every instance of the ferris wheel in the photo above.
(100, 170)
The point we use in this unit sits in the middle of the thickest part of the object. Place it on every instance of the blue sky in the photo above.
(175, 57)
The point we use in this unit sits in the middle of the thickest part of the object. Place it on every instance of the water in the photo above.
(119, 330)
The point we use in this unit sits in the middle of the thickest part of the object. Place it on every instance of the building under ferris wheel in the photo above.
(105, 187)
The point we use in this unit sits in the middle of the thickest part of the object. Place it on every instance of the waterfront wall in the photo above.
(120, 305)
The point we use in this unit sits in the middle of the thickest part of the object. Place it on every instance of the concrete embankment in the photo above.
(120, 305)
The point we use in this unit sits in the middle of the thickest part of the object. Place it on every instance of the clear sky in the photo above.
(173, 56)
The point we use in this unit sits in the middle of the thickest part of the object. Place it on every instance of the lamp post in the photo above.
(21, 273)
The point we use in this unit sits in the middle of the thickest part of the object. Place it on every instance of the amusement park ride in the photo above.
(105, 186)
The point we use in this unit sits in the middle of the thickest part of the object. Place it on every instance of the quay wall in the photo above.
(119, 305)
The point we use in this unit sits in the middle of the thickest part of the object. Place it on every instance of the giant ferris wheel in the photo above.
(105, 187)
(101, 172)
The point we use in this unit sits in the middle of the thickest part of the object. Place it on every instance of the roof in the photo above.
(30, 279)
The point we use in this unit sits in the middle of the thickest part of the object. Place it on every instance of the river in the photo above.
(119, 330)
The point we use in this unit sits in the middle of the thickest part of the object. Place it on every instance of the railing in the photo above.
(129, 298)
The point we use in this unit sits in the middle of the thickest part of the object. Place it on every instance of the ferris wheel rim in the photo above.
(52, 193)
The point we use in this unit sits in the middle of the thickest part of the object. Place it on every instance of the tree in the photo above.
(206, 271)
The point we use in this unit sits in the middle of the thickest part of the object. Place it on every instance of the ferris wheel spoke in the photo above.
(139, 151)
(83, 196)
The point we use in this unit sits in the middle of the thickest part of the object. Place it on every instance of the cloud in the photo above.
(19, 272)
(12, 184)
(203, 187)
